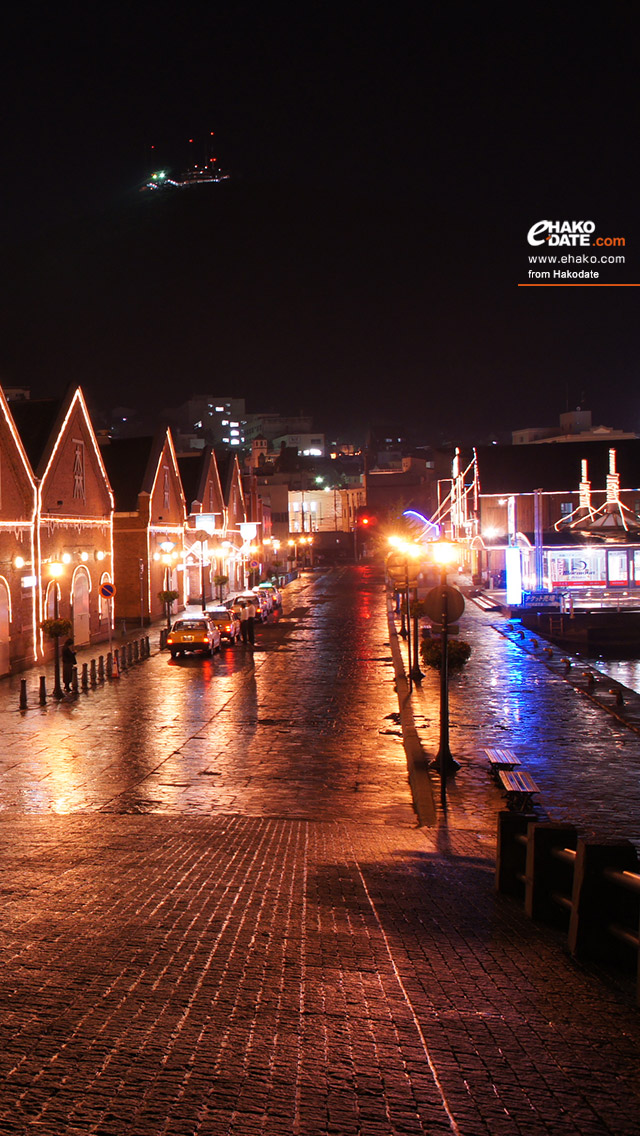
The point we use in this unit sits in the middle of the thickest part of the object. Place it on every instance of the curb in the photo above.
(551, 656)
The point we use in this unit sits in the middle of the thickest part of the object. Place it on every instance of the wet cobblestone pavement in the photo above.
(219, 913)
(570, 735)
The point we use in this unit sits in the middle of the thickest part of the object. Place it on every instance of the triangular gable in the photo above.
(201, 483)
(61, 443)
(72, 463)
(233, 494)
(17, 484)
(127, 461)
(162, 482)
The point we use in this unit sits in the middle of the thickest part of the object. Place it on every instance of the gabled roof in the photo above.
(555, 468)
(132, 465)
(194, 473)
(38, 422)
(191, 468)
(128, 462)
(227, 461)
(5, 412)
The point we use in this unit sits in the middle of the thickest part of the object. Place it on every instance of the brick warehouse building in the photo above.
(19, 597)
(72, 521)
(148, 527)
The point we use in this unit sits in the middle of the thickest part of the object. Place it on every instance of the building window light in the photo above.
(225, 439)
(235, 441)
(234, 423)
(224, 422)
(220, 408)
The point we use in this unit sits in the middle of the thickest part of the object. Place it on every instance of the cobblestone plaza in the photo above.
(220, 913)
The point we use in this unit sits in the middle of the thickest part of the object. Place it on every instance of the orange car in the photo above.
(193, 633)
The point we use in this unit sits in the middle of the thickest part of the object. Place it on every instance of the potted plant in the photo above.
(220, 582)
(458, 652)
(56, 628)
(167, 598)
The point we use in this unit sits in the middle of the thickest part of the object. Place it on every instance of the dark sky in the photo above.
(362, 263)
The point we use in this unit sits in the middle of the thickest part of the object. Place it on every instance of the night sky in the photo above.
(361, 264)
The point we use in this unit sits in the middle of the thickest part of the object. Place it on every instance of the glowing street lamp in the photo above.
(168, 558)
(403, 570)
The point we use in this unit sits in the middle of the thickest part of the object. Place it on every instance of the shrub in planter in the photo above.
(220, 581)
(56, 628)
(458, 652)
(168, 597)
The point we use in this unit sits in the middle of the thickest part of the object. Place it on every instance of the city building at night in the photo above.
(550, 520)
(55, 483)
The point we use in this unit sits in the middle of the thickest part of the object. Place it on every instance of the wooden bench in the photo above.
(501, 759)
(519, 787)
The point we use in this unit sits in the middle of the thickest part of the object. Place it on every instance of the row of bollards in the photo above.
(588, 675)
(94, 673)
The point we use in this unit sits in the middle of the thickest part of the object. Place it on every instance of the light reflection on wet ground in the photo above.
(585, 762)
(295, 729)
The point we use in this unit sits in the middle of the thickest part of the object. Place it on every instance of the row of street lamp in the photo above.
(402, 566)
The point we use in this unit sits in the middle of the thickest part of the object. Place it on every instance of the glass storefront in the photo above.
(577, 568)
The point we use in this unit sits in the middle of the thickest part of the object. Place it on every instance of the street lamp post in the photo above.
(416, 674)
(56, 569)
(444, 553)
(202, 536)
(402, 568)
(203, 601)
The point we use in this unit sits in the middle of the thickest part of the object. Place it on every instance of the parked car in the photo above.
(250, 597)
(263, 598)
(270, 590)
(227, 623)
(193, 633)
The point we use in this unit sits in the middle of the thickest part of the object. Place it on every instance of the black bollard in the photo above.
(136, 652)
(85, 676)
(43, 690)
(23, 694)
(74, 681)
(100, 668)
(109, 665)
(147, 646)
(93, 678)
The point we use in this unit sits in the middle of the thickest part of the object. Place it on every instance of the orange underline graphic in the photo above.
(577, 285)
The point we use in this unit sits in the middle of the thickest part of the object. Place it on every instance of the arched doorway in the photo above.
(80, 600)
(5, 627)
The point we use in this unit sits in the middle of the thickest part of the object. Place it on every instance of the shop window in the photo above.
(617, 567)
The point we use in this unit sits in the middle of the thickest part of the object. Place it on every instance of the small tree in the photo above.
(167, 599)
(220, 582)
(56, 628)
(458, 652)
